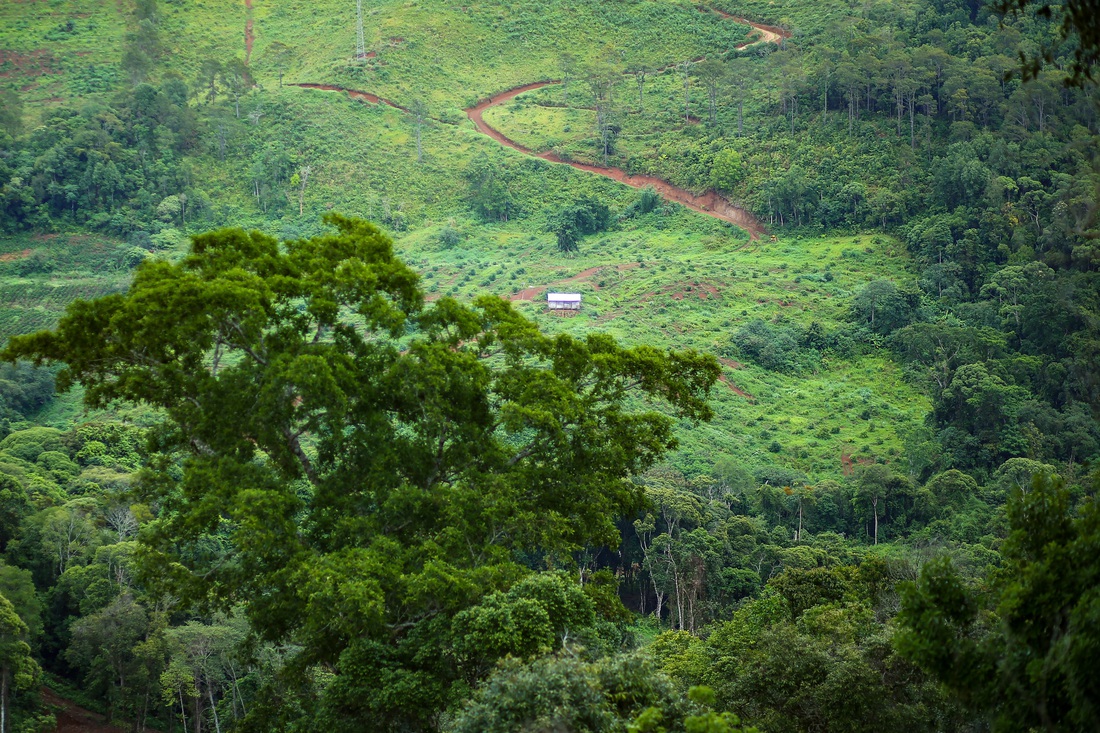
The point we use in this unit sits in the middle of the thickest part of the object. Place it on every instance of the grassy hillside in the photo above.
(683, 286)
(671, 278)
(296, 529)
(449, 55)
(276, 157)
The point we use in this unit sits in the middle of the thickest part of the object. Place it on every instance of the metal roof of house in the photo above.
(563, 297)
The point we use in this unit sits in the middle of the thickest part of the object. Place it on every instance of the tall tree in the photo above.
(363, 487)
(18, 670)
(712, 73)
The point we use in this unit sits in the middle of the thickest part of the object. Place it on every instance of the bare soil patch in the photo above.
(13, 256)
(71, 718)
(528, 293)
(536, 290)
(248, 35)
(30, 64)
(734, 388)
(353, 93)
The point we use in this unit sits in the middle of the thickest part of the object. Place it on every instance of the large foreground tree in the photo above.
(356, 468)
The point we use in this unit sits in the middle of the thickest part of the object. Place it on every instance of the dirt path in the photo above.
(709, 203)
(534, 292)
(768, 33)
(71, 718)
(353, 93)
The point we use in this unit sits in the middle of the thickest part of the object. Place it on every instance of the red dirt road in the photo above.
(248, 37)
(709, 203)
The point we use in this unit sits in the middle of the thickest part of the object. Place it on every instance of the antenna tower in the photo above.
(360, 43)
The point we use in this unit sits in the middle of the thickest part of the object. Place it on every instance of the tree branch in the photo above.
(296, 448)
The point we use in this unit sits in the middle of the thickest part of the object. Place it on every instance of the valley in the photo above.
(290, 438)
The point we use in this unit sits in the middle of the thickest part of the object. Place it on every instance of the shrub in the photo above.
(586, 216)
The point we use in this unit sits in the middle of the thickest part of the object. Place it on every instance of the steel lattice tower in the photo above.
(360, 43)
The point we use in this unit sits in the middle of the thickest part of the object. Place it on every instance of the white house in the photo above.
(563, 301)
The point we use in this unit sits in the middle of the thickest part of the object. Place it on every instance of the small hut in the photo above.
(563, 301)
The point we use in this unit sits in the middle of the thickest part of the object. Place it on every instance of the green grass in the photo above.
(692, 285)
(700, 281)
(672, 278)
(447, 54)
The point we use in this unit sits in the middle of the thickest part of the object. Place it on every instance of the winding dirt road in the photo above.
(709, 203)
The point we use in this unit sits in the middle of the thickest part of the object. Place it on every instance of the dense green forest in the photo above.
(288, 440)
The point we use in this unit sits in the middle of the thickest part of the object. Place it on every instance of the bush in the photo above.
(449, 236)
(28, 444)
(647, 201)
(586, 216)
(775, 349)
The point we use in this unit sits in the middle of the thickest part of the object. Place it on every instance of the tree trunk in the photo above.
(237, 690)
(912, 127)
(213, 708)
(4, 700)
(304, 176)
(899, 98)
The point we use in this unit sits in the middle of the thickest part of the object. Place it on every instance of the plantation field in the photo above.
(692, 284)
(41, 274)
